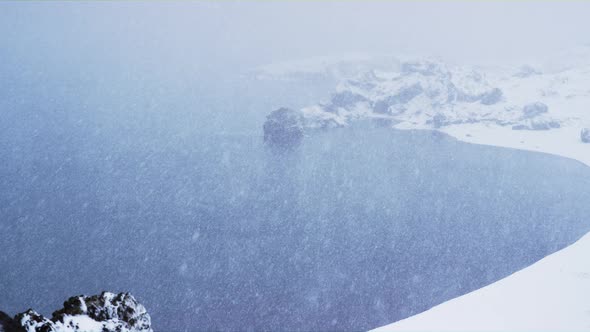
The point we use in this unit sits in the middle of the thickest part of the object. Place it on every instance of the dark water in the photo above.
(353, 229)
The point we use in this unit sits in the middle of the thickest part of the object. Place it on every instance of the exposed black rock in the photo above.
(106, 312)
(283, 127)
(538, 125)
(346, 99)
(439, 120)
(7, 324)
(491, 97)
(534, 109)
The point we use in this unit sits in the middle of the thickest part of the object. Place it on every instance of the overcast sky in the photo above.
(249, 33)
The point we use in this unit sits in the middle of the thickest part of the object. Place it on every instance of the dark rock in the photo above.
(106, 312)
(534, 109)
(283, 127)
(346, 99)
(491, 97)
(585, 135)
(439, 120)
(538, 125)
(403, 96)
(31, 320)
(381, 107)
(520, 127)
(7, 324)
(406, 94)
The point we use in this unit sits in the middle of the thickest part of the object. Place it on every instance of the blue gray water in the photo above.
(213, 230)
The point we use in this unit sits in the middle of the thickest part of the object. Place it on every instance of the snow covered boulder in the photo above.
(585, 135)
(283, 127)
(534, 109)
(106, 312)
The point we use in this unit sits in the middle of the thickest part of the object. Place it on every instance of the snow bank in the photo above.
(550, 295)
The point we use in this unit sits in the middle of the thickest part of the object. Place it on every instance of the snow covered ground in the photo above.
(550, 295)
(539, 108)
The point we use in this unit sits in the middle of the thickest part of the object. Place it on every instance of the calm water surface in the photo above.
(353, 229)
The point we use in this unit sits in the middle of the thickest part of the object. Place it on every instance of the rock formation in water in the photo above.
(106, 312)
(585, 135)
(283, 127)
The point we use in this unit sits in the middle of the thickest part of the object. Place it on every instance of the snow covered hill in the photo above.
(545, 107)
(550, 295)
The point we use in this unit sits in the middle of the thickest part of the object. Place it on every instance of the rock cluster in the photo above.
(426, 93)
(106, 312)
(585, 135)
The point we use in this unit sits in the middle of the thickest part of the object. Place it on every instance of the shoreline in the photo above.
(545, 296)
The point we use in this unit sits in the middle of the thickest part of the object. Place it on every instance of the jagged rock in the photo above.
(406, 94)
(106, 312)
(31, 321)
(439, 120)
(403, 96)
(544, 125)
(585, 135)
(491, 97)
(537, 125)
(283, 127)
(346, 99)
(382, 107)
(7, 324)
(534, 109)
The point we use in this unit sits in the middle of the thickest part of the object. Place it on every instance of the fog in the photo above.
(133, 160)
(197, 35)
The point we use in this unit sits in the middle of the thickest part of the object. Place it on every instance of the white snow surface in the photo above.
(550, 295)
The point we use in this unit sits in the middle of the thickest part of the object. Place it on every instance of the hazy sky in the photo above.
(247, 33)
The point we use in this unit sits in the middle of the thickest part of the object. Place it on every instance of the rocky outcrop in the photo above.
(7, 324)
(541, 124)
(346, 99)
(415, 93)
(491, 97)
(284, 127)
(428, 93)
(585, 135)
(534, 109)
(106, 312)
